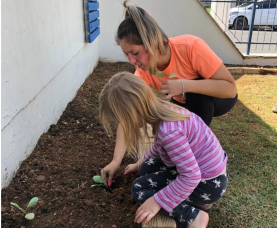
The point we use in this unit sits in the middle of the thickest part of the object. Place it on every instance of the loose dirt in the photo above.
(60, 169)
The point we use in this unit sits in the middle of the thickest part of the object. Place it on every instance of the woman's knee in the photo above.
(224, 105)
(201, 105)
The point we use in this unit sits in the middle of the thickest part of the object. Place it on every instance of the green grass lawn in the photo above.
(248, 133)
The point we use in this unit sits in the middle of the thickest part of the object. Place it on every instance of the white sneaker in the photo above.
(274, 109)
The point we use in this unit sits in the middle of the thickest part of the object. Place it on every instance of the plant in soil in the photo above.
(33, 202)
(98, 180)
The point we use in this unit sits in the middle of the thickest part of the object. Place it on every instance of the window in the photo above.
(92, 22)
(273, 5)
(263, 5)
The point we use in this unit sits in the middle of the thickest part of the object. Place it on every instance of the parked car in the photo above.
(266, 14)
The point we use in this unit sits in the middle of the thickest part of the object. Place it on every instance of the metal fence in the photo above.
(251, 25)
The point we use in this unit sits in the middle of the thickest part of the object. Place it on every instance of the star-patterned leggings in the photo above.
(155, 175)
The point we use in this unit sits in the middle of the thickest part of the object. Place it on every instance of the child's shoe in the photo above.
(274, 109)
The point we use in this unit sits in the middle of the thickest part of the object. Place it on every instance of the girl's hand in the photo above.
(108, 172)
(147, 210)
(172, 88)
(132, 168)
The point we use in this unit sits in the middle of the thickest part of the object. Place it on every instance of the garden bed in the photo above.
(60, 169)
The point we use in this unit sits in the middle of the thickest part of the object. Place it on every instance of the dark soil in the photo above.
(60, 169)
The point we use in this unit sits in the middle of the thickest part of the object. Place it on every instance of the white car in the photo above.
(266, 14)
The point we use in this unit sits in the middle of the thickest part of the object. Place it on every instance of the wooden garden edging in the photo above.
(252, 70)
(160, 221)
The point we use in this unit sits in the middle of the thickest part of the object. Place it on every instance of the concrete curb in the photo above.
(252, 70)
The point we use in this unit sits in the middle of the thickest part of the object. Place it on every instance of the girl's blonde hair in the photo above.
(140, 28)
(128, 100)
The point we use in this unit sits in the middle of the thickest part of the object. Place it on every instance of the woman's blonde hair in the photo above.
(128, 100)
(140, 28)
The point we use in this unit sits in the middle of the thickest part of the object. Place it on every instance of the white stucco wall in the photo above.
(44, 62)
(220, 13)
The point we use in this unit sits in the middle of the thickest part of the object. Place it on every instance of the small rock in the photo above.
(114, 226)
(41, 202)
(70, 198)
(75, 190)
(40, 178)
(82, 195)
(88, 202)
(18, 214)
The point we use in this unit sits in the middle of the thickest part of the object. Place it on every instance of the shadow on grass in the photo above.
(251, 145)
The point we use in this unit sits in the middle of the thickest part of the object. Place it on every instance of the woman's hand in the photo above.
(108, 172)
(172, 88)
(131, 168)
(221, 84)
(147, 210)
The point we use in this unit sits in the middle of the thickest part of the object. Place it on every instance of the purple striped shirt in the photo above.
(192, 147)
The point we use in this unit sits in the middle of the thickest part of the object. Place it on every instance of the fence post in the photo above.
(251, 28)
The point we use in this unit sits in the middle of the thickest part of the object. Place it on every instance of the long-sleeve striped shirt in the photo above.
(192, 147)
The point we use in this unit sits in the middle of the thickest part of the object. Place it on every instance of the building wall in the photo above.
(44, 62)
(175, 17)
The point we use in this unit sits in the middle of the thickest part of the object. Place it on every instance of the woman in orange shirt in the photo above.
(175, 66)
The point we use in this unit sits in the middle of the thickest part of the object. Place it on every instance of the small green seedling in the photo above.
(33, 202)
(160, 73)
(98, 180)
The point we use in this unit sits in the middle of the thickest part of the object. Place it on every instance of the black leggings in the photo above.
(207, 107)
(155, 175)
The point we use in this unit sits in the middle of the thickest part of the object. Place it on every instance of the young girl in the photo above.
(184, 171)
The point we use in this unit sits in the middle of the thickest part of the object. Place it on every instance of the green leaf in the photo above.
(160, 74)
(32, 202)
(98, 179)
(95, 185)
(16, 205)
(30, 216)
(172, 75)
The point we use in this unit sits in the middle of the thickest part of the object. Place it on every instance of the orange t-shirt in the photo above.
(191, 58)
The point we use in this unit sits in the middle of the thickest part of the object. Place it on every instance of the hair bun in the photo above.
(125, 3)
